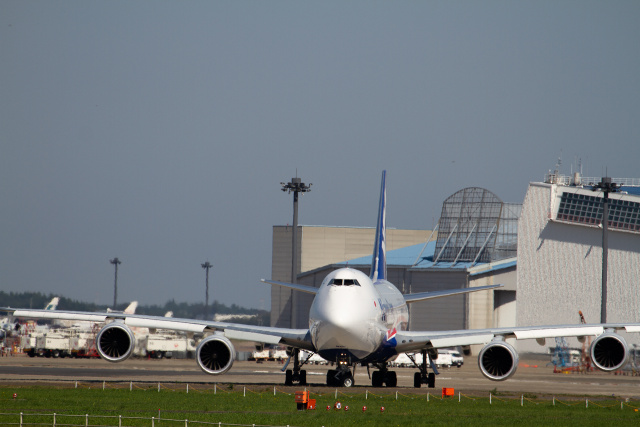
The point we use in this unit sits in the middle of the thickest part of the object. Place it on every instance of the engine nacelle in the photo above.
(498, 360)
(115, 342)
(609, 352)
(215, 354)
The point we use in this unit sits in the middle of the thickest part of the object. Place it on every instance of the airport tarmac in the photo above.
(533, 376)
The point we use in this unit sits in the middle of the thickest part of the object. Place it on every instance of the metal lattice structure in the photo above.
(476, 226)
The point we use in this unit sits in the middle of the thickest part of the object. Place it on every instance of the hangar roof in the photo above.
(420, 257)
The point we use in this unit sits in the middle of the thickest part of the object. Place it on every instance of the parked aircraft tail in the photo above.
(53, 304)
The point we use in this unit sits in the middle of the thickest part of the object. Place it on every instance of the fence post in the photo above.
(366, 395)
(244, 392)
(131, 386)
(274, 390)
(587, 401)
(522, 400)
(158, 387)
(20, 419)
(554, 401)
(396, 395)
(187, 388)
(153, 421)
(86, 420)
(459, 394)
(215, 388)
(427, 396)
(336, 393)
(103, 385)
(489, 398)
(54, 419)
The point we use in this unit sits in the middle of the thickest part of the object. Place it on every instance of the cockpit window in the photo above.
(344, 282)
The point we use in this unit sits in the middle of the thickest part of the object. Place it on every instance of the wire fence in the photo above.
(87, 420)
(60, 420)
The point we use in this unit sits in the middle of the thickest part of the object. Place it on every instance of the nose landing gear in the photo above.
(341, 377)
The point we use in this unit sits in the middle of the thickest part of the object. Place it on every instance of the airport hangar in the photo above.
(557, 270)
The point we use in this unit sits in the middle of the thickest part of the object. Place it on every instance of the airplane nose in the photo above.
(344, 321)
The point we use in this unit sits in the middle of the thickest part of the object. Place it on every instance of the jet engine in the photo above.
(609, 352)
(498, 360)
(115, 342)
(215, 354)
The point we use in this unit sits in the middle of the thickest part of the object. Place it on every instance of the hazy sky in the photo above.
(159, 131)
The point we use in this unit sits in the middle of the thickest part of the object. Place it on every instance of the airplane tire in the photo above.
(376, 379)
(431, 380)
(417, 380)
(347, 380)
(331, 378)
(392, 379)
(303, 377)
(288, 377)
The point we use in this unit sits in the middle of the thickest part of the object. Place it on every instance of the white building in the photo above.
(560, 254)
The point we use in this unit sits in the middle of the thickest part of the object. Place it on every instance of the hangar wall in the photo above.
(560, 266)
(320, 246)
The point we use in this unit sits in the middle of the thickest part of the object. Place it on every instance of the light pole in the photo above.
(206, 266)
(296, 186)
(607, 187)
(115, 262)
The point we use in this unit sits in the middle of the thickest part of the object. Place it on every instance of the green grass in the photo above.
(261, 407)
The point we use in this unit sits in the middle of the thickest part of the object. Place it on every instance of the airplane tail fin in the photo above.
(379, 260)
(131, 308)
(53, 304)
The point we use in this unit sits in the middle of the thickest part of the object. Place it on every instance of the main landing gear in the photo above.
(341, 377)
(424, 377)
(297, 375)
(384, 376)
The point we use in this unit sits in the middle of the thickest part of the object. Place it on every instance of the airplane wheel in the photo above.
(303, 377)
(417, 380)
(376, 379)
(288, 378)
(331, 378)
(392, 379)
(347, 380)
(431, 380)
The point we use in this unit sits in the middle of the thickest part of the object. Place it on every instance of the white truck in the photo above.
(55, 343)
(165, 345)
(446, 358)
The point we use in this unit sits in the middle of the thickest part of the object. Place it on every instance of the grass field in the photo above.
(261, 407)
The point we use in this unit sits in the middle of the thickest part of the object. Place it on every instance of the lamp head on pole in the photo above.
(296, 185)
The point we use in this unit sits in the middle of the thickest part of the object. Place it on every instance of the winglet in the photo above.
(379, 261)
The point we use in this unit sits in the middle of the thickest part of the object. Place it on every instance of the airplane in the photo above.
(355, 319)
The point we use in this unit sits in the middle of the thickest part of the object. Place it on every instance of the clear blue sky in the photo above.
(159, 131)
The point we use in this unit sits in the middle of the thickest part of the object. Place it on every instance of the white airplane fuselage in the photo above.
(352, 316)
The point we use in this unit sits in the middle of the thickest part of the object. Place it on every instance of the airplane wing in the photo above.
(421, 296)
(418, 340)
(299, 338)
(302, 288)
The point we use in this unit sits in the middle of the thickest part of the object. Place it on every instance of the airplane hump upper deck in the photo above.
(379, 259)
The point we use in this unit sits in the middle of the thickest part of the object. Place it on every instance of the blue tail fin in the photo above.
(379, 261)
